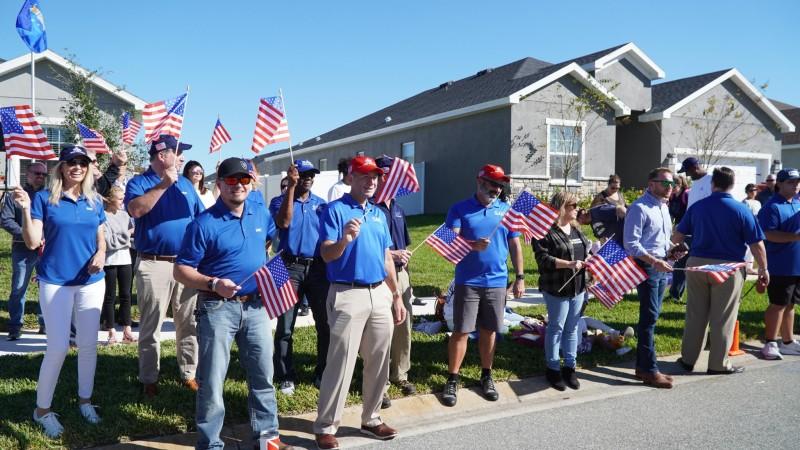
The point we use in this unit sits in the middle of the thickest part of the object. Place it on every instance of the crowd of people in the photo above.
(196, 249)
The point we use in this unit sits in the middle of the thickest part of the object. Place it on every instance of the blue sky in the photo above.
(337, 61)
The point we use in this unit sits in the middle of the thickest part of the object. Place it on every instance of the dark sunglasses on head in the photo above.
(78, 162)
(244, 180)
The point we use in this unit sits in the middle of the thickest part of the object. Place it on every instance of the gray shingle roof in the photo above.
(671, 92)
(794, 116)
(781, 105)
(481, 87)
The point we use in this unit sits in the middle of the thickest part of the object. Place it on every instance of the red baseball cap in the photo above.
(364, 164)
(493, 173)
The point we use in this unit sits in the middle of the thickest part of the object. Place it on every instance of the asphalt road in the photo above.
(757, 409)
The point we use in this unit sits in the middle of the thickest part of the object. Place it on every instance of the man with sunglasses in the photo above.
(221, 251)
(297, 215)
(23, 260)
(481, 277)
(647, 232)
(163, 204)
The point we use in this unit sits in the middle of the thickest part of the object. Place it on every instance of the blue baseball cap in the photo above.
(689, 163)
(385, 163)
(166, 141)
(71, 152)
(304, 165)
(788, 174)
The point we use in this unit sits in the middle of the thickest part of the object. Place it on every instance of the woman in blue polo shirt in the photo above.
(68, 217)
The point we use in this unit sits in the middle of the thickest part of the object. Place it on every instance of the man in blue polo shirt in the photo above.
(481, 277)
(221, 251)
(363, 303)
(298, 225)
(781, 223)
(722, 228)
(163, 204)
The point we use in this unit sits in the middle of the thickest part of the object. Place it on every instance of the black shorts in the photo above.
(784, 289)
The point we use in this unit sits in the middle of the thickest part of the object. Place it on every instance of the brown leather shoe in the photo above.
(381, 431)
(640, 375)
(150, 390)
(191, 384)
(326, 442)
(657, 380)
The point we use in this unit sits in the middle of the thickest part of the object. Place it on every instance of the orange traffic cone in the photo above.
(735, 350)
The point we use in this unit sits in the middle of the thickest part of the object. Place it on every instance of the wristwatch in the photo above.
(212, 283)
(520, 276)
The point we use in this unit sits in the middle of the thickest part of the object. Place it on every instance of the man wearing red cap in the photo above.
(481, 277)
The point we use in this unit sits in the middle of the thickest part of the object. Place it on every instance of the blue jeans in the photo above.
(219, 323)
(22, 264)
(651, 294)
(563, 314)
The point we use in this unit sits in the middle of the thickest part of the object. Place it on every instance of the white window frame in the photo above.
(413, 149)
(567, 123)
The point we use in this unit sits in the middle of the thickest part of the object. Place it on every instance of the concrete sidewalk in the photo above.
(423, 413)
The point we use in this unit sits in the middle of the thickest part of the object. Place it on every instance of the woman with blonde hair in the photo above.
(560, 255)
(68, 216)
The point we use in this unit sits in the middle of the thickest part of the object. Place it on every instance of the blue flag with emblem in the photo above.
(30, 26)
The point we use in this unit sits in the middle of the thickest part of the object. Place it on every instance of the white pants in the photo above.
(58, 304)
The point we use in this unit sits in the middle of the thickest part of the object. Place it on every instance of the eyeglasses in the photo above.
(571, 205)
(493, 184)
(244, 180)
(665, 183)
(196, 172)
(78, 162)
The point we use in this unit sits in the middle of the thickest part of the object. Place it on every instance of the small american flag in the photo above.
(92, 139)
(447, 243)
(401, 178)
(604, 295)
(271, 125)
(23, 135)
(130, 128)
(219, 137)
(718, 272)
(618, 272)
(163, 117)
(277, 292)
(529, 216)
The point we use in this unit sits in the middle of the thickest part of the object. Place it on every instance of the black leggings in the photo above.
(123, 275)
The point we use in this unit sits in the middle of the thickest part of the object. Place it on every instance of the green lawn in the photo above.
(126, 415)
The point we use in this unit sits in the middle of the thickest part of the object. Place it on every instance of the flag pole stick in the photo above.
(220, 149)
(579, 271)
(252, 274)
(286, 118)
(33, 85)
(185, 104)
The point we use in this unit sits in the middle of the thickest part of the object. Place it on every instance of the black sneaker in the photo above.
(449, 396)
(386, 402)
(487, 386)
(407, 388)
(555, 380)
(569, 377)
(13, 335)
(303, 311)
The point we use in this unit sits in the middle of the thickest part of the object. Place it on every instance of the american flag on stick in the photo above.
(22, 134)
(164, 117)
(604, 295)
(271, 124)
(92, 139)
(617, 271)
(529, 216)
(401, 180)
(218, 137)
(277, 292)
(447, 243)
(130, 128)
(718, 272)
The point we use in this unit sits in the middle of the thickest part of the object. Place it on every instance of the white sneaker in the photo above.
(52, 427)
(89, 413)
(770, 351)
(287, 388)
(792, 348)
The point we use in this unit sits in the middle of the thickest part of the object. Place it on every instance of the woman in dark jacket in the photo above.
(560, 254)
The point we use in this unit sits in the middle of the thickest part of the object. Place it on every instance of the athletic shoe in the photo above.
(13, 335)
(52, 427)
(287, 388)
(304, 311)
(628, 333)
(488, 389)
(381, 431)
(793, 348)
(89, 413)
(407, 388)
(770, 351)
(273, 444)
(386, 402)
(449, 393)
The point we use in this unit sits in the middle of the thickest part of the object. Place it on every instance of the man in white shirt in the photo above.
(701, 180)
(343, 185)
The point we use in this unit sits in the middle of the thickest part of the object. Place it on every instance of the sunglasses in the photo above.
(665, 183)
(244, 180)
(571, 205)
(78, 162)
(196, 172)
(492, 183)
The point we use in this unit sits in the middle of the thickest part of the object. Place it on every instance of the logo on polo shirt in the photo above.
(258, 230)
(499, 213)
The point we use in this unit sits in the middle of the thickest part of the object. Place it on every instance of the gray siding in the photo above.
(790, 158)
(627, 84)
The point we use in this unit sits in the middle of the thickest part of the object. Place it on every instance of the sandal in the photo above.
(112, 340)
(129, 340)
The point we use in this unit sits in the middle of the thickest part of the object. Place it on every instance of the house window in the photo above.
(58, 137)
(407, 151)
(565, 150)
(322, 165)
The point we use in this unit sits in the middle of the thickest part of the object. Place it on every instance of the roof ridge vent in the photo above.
(446, 85)
(484, 71)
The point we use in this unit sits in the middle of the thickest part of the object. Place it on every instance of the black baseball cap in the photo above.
(231, 167)
(71, 152)
(689, 163)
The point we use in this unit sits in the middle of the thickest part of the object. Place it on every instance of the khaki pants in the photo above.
(361, 322)
(400, 357)
(713, 306)
(157, 289)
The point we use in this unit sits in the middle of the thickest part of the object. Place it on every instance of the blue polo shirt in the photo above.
(219, 244)
(720, 227)
(487, 268)
(398, 229)
(302, 236)
(256, 196)
(70, 236)
(779, 214)
(363, 259)
(160, 232)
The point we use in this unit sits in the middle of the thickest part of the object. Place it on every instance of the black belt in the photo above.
(291, 259)
(237, 298)
(360, 285)
(149, 257)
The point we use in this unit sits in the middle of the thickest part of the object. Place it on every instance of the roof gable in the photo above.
(628, 51)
